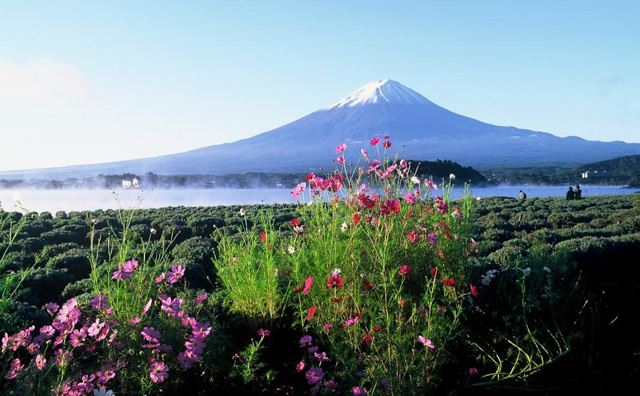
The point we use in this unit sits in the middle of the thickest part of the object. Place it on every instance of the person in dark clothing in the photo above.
(571, 194)
(522, 195)
(578, 192)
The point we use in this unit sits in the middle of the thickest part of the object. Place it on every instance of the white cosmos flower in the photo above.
(452, 176)
(103, 392)
(291, 249)
(415, 180)
(344, 226)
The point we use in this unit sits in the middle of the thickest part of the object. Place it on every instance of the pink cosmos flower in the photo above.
(47, 332)
(341, 147)
(175, 274)
(201, 298)
(69, 313)
(14, 369)
(426, 342)
(364, 153)
(100, 301)
(105, 374)
(410, 198)
(41, 362)
(300, 366)
(264, 333)
(51, 308)
(473, 371)
(307, 285)
(322, 357)
(160, 278)
(298, 189)
(351, 321)
(78, 337)
(131, 265)
(146, 307)
(359, 391)
(63, 357)
(340, 159)
(474, 290)
(158, 372)
(327, 326)
(121, 273)
(374, 141)
(134, 321)
(314, 374)
(95, 328)
(306, 341)
(432, 238)
(386, 144)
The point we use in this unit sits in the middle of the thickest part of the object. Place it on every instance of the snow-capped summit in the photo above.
(380, 91)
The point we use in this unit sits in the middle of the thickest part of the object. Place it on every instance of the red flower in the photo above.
(390, 206)
(374, 141)
(368, 285)
(263, 237)
(336, 300)
(434, 272)
(309, 176)
(441, 254)
(413, 236)
(295, 222)
(366, 340)
(335, 281)
(402, 303)
(405, 271)
(377, 329)
(474, 290)
(356, 218)
(386, 137)
(298, 289)
(312, 311)
(446, 233)
(449, 282)
(386, 144)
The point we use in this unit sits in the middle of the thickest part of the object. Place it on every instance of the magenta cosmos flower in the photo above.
(175, 274)
(158, 372)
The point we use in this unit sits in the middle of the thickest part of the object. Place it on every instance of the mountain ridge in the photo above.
(419, 129)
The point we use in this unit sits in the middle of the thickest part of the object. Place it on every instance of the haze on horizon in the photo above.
(99, 82)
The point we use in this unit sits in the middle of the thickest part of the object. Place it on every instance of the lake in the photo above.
(78, 200)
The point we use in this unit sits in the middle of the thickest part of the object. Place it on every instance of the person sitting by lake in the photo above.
(570, 193)
(578, 192)
(522, 195)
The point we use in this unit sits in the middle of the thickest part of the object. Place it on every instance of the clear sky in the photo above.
(99, 81)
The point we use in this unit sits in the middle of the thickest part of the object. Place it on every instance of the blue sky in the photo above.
(89, 82)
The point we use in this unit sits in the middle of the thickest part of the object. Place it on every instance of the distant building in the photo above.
(126, 183)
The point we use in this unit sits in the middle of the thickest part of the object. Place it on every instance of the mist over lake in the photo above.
(78, 200)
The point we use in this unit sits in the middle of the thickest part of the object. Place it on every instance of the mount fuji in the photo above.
(418, 128)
